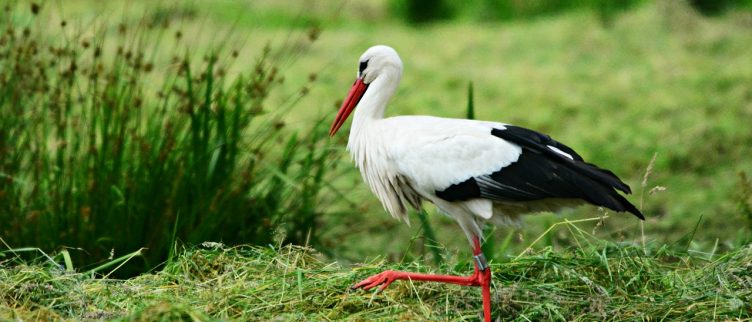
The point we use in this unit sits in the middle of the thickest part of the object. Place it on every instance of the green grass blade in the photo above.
(470, 101)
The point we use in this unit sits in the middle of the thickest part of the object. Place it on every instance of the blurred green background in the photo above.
(217, 131)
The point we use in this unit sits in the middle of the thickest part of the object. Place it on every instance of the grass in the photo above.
(660, 79)
(599, 280)
(102, 156)
(658, 82)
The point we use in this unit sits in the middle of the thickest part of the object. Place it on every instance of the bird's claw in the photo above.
(386, 278)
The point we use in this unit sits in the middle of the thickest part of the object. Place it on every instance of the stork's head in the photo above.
(378, 62)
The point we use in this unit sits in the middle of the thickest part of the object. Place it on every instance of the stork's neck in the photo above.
(374, 101)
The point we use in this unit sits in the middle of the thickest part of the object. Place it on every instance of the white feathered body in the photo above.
(406, 159)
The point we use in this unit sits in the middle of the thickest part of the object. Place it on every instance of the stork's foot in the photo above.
(480, 277)
(384, 279)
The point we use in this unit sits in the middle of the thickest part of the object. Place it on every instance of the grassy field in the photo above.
(602, 281)
(661, 95)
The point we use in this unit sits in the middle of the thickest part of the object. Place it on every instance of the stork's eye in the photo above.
(362, 67)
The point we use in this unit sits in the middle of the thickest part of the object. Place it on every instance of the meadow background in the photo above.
(140, 141)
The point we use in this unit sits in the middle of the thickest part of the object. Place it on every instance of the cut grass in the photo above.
(600, 281)
(650, 83)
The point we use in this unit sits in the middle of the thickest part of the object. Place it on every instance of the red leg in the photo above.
(480, 277)
(486, 292)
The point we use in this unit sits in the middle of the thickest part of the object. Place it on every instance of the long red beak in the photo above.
(352, 99)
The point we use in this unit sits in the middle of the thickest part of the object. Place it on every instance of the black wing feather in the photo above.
(540, 173)
(529, 138)
(538, 142)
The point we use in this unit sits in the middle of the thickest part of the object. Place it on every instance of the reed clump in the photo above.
(114, 140)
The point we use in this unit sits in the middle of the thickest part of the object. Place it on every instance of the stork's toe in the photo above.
(386, 278)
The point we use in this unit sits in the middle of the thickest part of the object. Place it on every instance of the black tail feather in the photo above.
(603, 194)
(560, 172)
(605, 176)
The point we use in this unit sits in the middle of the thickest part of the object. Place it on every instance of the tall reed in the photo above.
(120, 141)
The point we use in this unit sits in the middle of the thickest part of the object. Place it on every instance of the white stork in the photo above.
(473, 171)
